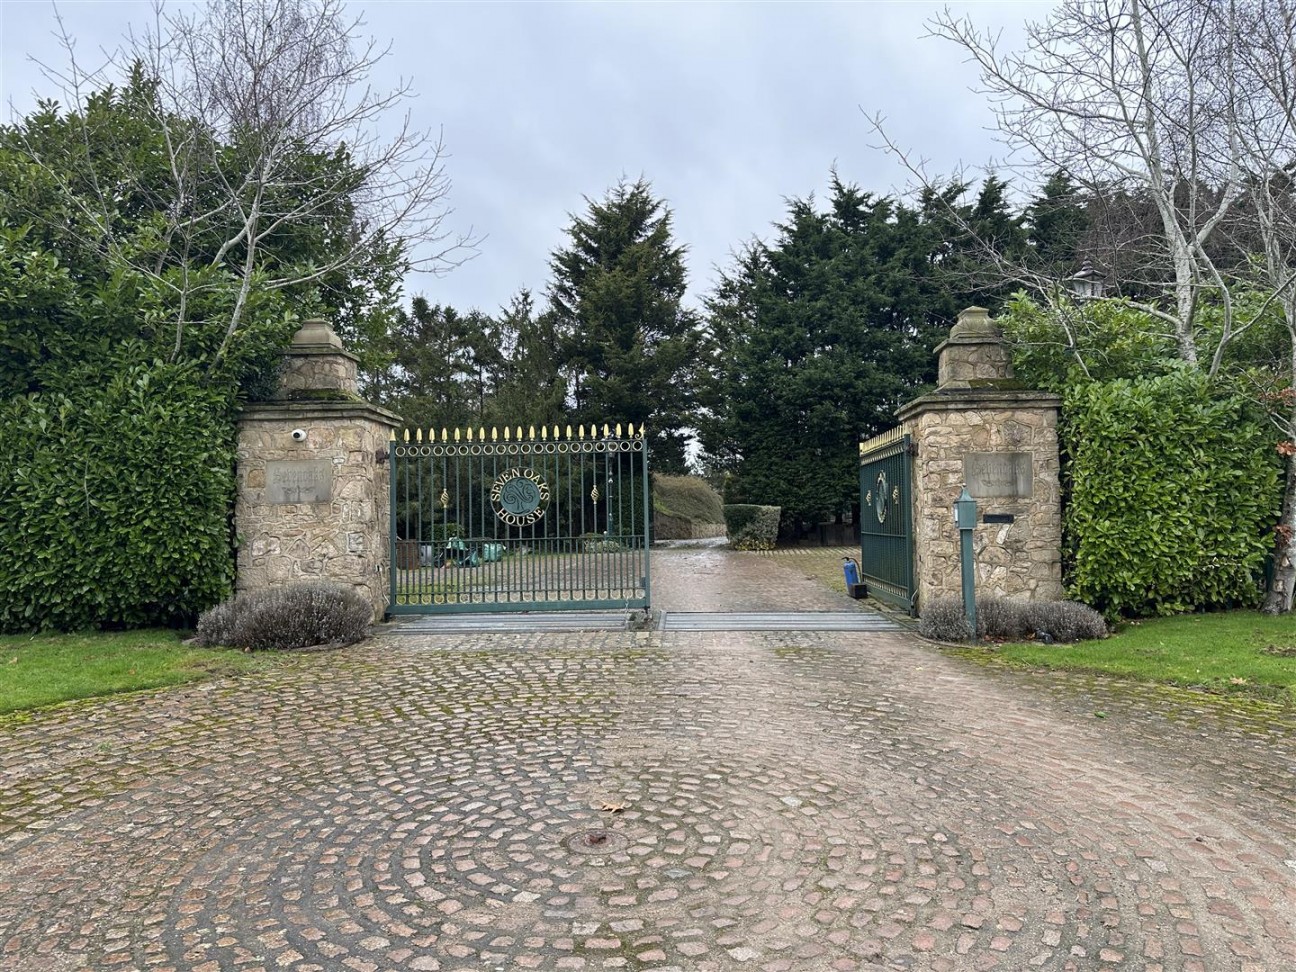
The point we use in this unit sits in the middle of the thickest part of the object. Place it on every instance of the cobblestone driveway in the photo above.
(811, 801)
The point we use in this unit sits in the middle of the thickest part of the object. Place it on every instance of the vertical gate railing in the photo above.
(514, 520)
(886, 518)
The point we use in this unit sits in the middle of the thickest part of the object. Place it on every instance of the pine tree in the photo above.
(1057, 222)
(532, 389)
(818, 338)
(628, 344)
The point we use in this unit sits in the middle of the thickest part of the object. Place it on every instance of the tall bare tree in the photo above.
(1266, 71)
(268, 121)
(1128, 97)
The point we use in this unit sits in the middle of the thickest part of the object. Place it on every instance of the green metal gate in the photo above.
(549, 520)
(886, 519)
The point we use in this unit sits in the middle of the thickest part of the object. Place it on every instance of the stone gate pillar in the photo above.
(313, 477)
(981, 428)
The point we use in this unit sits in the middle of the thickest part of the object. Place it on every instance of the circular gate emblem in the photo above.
(880, 502)
(520, 497)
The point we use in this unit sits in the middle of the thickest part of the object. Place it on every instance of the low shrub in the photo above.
(284, 618)
(1064, 621)
(1007, 619)
(943, 620)
(752, 527)
(1001, 618)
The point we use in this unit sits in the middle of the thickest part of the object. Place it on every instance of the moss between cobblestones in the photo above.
(799, 651)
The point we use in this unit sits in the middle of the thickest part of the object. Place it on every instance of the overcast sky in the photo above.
(726, 108)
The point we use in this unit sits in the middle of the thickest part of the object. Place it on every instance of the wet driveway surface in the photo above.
(650, 800)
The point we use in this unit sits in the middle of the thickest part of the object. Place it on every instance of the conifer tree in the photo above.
(628, 344)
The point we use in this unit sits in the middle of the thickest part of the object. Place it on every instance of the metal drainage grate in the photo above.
(799, 621)
(515, 623)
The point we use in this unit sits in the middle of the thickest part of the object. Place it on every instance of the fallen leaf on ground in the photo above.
(608, 807)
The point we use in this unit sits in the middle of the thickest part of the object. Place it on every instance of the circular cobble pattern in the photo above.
(768, 801)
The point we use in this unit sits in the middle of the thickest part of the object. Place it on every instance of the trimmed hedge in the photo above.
(114, 501)
(302, 615)
(752, 527)
(684, 508)
(1174, 490)
(687, 498)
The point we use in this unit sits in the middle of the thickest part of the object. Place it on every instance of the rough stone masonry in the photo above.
(981, 428)
(312, 476)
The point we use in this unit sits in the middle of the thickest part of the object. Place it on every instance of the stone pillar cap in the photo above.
(974, 322)
(314, 334)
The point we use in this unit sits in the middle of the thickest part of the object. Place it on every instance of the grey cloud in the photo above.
(726, 108)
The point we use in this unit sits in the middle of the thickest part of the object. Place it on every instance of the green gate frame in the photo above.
(886, 519)
(551, 520)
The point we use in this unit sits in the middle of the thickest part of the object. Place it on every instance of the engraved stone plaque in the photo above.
(299, 481)
(998, 475)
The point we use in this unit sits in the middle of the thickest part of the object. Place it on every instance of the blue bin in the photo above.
(851, 569)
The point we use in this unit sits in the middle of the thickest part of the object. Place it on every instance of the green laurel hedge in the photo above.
(1173, 493)
(114, 500)
(752, 527)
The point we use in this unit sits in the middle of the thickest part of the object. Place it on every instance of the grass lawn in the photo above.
(38, 670)
(1234, 651)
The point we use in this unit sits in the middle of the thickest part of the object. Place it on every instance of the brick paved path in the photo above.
(791, 801)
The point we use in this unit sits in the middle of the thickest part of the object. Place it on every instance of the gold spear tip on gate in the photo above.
(494, 434)
(531, 434)
(481, 433)
(631, 430)
(456, 435)
(443, 433)
(506, 433)
(569, 435)
(407, 435)
(581, 430)
(618, 430)
(393, 436)
(418, 435)
(607, 433)
(544, 432)
(469, 433)
(519, 433)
